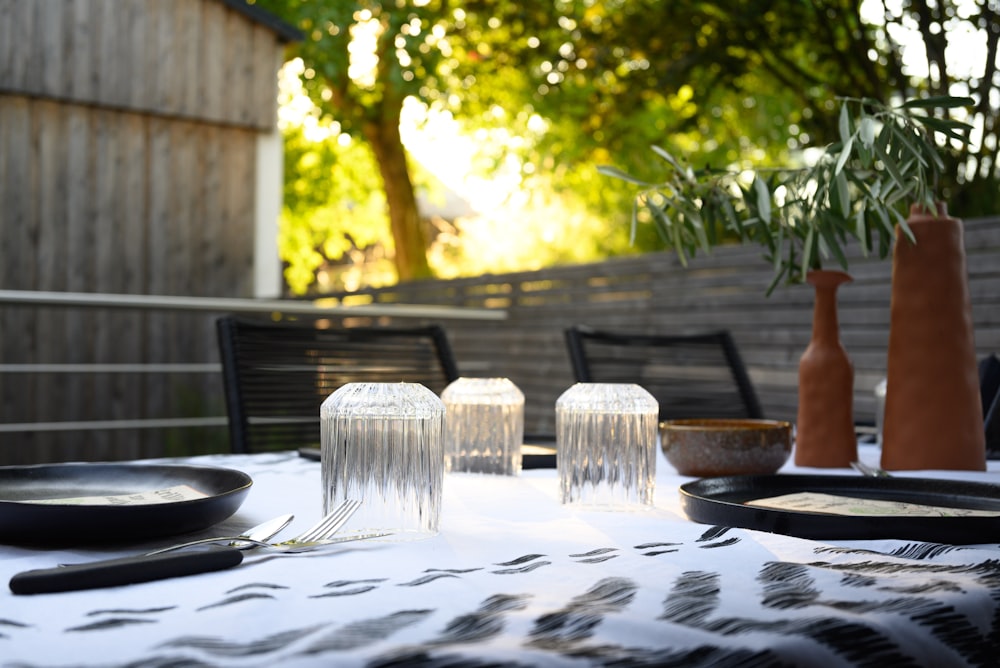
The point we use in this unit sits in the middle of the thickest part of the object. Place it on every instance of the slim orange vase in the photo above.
(933, 412)
(825, 427)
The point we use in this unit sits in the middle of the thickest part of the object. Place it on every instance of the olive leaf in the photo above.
(859, 190)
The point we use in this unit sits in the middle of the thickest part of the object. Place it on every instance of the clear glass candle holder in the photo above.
(382, 444)
(606, 445)
(484, 426)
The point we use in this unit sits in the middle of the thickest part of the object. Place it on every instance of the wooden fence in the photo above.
(654, 293)
(650, 293)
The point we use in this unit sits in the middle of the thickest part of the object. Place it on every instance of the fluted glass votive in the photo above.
(606, 444)
(484, 426)
(382, 444)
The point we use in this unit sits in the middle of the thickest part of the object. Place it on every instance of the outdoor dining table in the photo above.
(514, 578)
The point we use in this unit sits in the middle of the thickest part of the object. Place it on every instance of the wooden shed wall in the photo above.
(129, 133)
(195, 59)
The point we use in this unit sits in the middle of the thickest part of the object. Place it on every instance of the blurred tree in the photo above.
(362, 60)
(739, 80)
(328, 207)
(593, 82)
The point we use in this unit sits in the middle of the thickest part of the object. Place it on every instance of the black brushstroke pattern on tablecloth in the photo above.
(695, 594)
(524, 564)
(455, 571)
(918, 551)
(111, 623)
(693, 602)
(598, 560)
(221, 648)
(612, 656)
(11, 623)
(670, 548)
(239, 598)
(355, 591)
(426, 579)
(424, 659)
(694, 599)
(594, 553)
(485, 623)
(131, 611)
(364, 632)
(713, 533)
(584, 612)
(116, 618)
(722, 543)
(349, 587)
(254, 585)
(520, 560)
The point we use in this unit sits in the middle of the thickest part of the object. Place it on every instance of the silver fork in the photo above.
(321, 531)
(305, 543)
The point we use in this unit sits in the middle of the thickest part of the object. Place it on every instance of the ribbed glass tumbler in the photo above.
(382, 445)
(484, 426)
(606, 444)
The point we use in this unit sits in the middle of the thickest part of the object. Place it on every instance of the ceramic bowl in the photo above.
(716, 447)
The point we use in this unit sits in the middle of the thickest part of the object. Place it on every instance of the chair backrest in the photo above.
(989, 386)
(276, 375)
(691, 375)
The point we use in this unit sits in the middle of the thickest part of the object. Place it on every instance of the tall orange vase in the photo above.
(824, 430)
(933, 412)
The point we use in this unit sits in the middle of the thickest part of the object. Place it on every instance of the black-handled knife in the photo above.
(124, 571)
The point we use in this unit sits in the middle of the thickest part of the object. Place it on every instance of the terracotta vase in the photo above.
(933, 411)
(825, 427)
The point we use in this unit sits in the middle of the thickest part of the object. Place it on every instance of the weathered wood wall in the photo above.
(129, 133)
(198, 59)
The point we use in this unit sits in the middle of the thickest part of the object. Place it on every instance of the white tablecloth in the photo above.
(514, 579)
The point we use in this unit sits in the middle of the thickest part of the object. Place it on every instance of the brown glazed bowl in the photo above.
(717, 447)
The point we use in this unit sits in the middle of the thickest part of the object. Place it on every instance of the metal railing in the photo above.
(315, 308)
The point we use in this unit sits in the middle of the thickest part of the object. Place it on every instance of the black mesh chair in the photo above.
(276, 375)
(691, 376)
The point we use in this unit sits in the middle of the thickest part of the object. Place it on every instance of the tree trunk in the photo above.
(404, 217)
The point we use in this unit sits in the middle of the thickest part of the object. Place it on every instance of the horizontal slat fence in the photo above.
(648, 293)
(654, 293)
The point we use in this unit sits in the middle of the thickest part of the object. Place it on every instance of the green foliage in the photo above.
(725, 83)
(859, 189)
(332, 203)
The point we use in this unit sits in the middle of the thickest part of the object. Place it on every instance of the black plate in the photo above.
(63, 523)
(720, 501)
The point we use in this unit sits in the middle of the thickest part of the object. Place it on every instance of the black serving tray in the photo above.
(720, 501)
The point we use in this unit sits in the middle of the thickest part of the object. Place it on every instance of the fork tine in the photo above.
(334, 521)
(330, 523)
